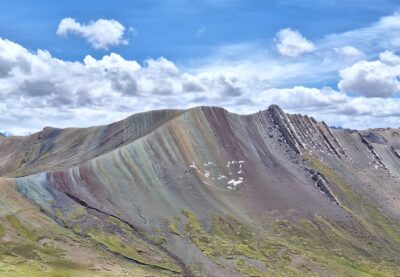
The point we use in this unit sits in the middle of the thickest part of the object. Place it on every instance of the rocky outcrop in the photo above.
(396, 151)
(378, 159)
(323, 185)
(286, 127)
(305, 133)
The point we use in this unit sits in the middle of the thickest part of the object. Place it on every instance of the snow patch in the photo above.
(220, 177)
(211, 174)
(233, 183)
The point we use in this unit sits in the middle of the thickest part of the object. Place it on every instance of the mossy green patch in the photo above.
(229, 239)
(249, 270)
(2, 232)
(173, 227)
(368, 217)
(138, 252)
(21, 229)
(158, 240)
(304, 248)
(119, 238)
(30, 258)
(23, 257)
(77, 212)
(116, 244)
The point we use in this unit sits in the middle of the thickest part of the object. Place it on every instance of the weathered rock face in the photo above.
(220, 194)
(304, 133)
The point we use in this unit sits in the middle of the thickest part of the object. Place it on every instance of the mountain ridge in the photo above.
(189, 185)
(48, 132)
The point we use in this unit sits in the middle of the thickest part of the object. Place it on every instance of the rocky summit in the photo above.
(201, 192)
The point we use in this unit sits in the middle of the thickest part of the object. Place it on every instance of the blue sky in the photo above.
(335, 60)
(169, 28)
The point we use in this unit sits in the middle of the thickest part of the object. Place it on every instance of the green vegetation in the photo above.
(21, 229)
(305, 248)
(367, 216)
(230, 240)
(158, 240)
(117, 245)
(32, 153)
(368, 246)
(2, 232)
(127, 244)
(249, 270)
(25, 256)
(28, 251)
(173, 226)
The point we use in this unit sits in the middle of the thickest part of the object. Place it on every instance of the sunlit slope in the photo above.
(32, 244)
(211, 193)
(54, 148)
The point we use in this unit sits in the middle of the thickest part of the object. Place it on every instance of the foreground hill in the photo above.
(202, 192)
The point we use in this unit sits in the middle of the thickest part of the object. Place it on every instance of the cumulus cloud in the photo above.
(335, 107)
(37, 90)
(101, 34)
(55, 90)
(332, 53)
(306, 98)
(291, 43)
(378, 78)
(389, 58)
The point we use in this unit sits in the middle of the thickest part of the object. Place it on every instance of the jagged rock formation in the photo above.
(205, 192)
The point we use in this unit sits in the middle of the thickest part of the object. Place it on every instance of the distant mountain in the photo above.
(6, 134)
(201, 192)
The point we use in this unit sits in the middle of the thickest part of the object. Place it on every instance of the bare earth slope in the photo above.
(53, 148)
(204, 192)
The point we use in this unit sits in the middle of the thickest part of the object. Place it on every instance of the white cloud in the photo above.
(291, 43)
(96, 91)
(334, 107)
(378, 78)
(349, 52)
(389, 58)
(37, 89)
(101, 34)
(296, 97)
(321, 66)
(377, 37)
